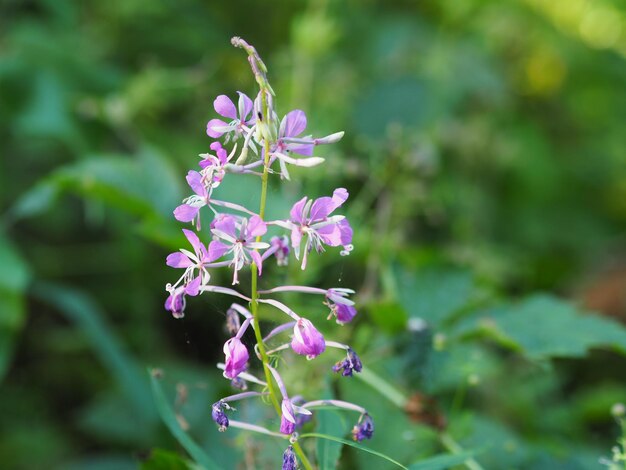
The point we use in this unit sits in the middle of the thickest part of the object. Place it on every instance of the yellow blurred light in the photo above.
(545, 72)
(601, 27)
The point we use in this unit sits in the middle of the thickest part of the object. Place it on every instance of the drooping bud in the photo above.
(232, 321)
(236, 358)
(175, 302)
(287, 418)
(218, 415)
(344, 313)
(307, 341)
(289, 459)
(329, 139)
(352, 363)
(363, 429)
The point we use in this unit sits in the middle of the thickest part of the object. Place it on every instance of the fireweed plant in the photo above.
(252, 141)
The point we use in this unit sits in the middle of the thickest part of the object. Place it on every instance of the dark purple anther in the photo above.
(364, 429)
(218, 415)
(289, 459)
(352, 363)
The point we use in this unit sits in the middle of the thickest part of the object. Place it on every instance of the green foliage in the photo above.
(172, 423)
(14, 279)
(160, 459)
(542, 327)
(484, 164)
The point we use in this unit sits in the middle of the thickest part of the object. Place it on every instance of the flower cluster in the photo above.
(261, 144)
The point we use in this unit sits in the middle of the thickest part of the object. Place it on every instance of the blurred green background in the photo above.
(484, 154)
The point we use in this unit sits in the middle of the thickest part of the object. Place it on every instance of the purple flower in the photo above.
(238, 123)
(340, 306)
(214, 166)
(289, 459)
(288, 417)
(307, 341)
(352, 363)
(292, 416)
(312, 219)
(363, 429)
(236, 358)
(175, 302)
(190, 209)
(239, 238)
(292, 125)
(281, 245)
(190, 262)
(218, 415)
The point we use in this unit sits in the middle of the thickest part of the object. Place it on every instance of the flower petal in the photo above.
(195, 242)
(193, 288)
(293, 124)
(216, 250)
(194, 180)
(178, 260)
(213, 128)
(186, 213)
(324, 206)
(245, 106)
(256, 227)
(256, 257)
(227, 225)
(346, 232)
(224, 106)
(296, 211)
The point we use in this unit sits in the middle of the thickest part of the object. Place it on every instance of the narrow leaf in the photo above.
(441, 462)
(169, 418)
(353, 444)
(81, 310)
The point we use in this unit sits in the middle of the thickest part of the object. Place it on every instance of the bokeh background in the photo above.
(484, 154)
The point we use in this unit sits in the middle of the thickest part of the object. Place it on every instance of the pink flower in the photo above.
(194, 265)
(307, 341)
(238, 236)
(313, 219)
(224, 106)
(287, 417)
(236, 358)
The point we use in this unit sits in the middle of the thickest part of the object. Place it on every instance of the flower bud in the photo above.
(307, 341)
(218, 415)
(236, 358)
(289, 459)
(175, 302)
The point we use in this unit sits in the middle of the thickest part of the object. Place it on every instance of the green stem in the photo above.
(254, 295)
(396, 397)
(450, 444)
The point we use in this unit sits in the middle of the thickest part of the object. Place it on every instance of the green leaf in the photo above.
(160, 459)
(434, 294)
(328, 452)
(145, 184)
(14, 278)
(542, 326)
(352, 444)
(441, 462)
(169, 418)
(81, 310)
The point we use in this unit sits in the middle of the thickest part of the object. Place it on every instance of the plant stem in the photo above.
(254, 295)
